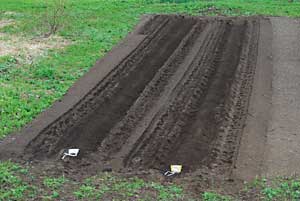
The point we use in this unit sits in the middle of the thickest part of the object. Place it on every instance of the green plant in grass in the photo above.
(282, 189)
(45, 73)
(54, 183)
(212, 196)
(101, 186)
(7, 62)
(85, 192)
(277, 189)
(55, 16)
(12, 187)
(171, 192)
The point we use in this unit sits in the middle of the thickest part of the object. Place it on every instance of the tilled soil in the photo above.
(180, 97)
(177, 90)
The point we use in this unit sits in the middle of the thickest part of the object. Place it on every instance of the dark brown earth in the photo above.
(175, 91)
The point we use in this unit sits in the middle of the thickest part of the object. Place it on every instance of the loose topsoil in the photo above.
(177, 90)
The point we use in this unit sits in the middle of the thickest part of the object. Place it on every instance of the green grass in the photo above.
(93, 27)
(54, 183)
(212, 196)
(17, 183)
(12, 187)
(106, 186)
(277, 189)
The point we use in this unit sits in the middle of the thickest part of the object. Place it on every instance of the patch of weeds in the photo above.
(212, 196)
(282, 189)
(129, 187)
(44, 72)
(171, 192)
(276, 189)
(7, 62)
(86, 192)
(54, 195)
(257, 183)
(55, 16)
(176, 1)
(108, 186)
(54, 183)
(12, 187)
(271, 193)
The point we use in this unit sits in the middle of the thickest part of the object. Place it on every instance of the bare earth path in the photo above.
(271, 137)
(282, 156)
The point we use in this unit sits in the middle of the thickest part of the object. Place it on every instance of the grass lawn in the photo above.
(92, 28)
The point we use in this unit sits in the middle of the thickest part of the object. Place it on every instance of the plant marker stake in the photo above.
(70, 152)
(175, 169)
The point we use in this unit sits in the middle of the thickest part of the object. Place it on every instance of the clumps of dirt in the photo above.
(27, 50)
